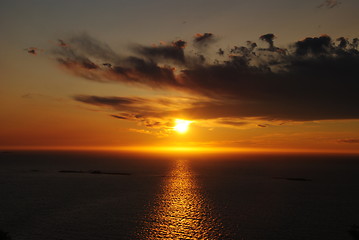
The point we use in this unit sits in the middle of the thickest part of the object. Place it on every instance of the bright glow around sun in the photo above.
(181, 125)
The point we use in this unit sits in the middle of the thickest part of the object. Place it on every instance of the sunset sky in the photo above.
(278, 74)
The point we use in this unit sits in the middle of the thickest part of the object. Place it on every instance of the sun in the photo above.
(181, 125)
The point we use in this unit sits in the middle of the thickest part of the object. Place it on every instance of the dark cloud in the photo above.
(203, 39)
(232, 123)
(314, 45)
(220, 52)
(109, 65)
(80, 55)
(147, 112)
(269, 39)
(61, 43)
(120, 117)
(251, 45)
(112, 101)
(314, 79)
(355, 43)
(179, 44)
(136, 107)
(85, 44)
(349, 140)
(93, 60)
(343, 42)
(32, 50)
(329, 4)
(147, 72)
(172, 52)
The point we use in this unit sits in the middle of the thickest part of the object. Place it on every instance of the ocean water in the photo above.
(117, 195)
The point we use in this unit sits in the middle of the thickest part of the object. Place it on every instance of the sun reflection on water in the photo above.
(181, 211)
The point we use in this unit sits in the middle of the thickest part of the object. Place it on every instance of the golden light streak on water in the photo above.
(181, 211)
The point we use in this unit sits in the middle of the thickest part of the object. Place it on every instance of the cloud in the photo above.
(232, 123)
(172, 52)
(132, 108)
(119, 117)
(42, 96)
(156, 114)
(343, 42)
(201, 40)
(349, 140)
(315, 46)
(313, 79)
(159, 114)
(33, 50)
(329, 4)
(61, 43)
(269, 39)
(103, 101)
(220, 52)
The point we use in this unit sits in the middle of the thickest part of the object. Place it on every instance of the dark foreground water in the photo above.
(116, 195)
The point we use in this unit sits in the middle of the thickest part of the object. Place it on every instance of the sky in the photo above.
(279, 74)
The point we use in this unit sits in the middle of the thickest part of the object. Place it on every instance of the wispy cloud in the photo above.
(42, 96)
(349, 140)
(329, 4)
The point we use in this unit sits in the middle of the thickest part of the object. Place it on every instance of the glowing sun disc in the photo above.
(181, 125)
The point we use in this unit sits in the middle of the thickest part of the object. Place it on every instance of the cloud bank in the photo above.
(312, 79)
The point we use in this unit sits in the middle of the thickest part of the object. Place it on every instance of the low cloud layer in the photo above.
(312, 79)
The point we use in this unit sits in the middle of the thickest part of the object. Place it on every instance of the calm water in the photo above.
(114, 195)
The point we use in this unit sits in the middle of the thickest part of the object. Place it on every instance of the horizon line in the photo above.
(177, 149)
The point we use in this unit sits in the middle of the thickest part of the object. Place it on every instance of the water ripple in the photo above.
(180, 210)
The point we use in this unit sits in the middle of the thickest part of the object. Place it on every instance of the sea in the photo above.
(113, 195)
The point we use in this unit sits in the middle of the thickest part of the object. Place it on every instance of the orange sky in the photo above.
(64, 96)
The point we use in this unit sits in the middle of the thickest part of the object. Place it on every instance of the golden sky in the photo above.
(214, 74)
